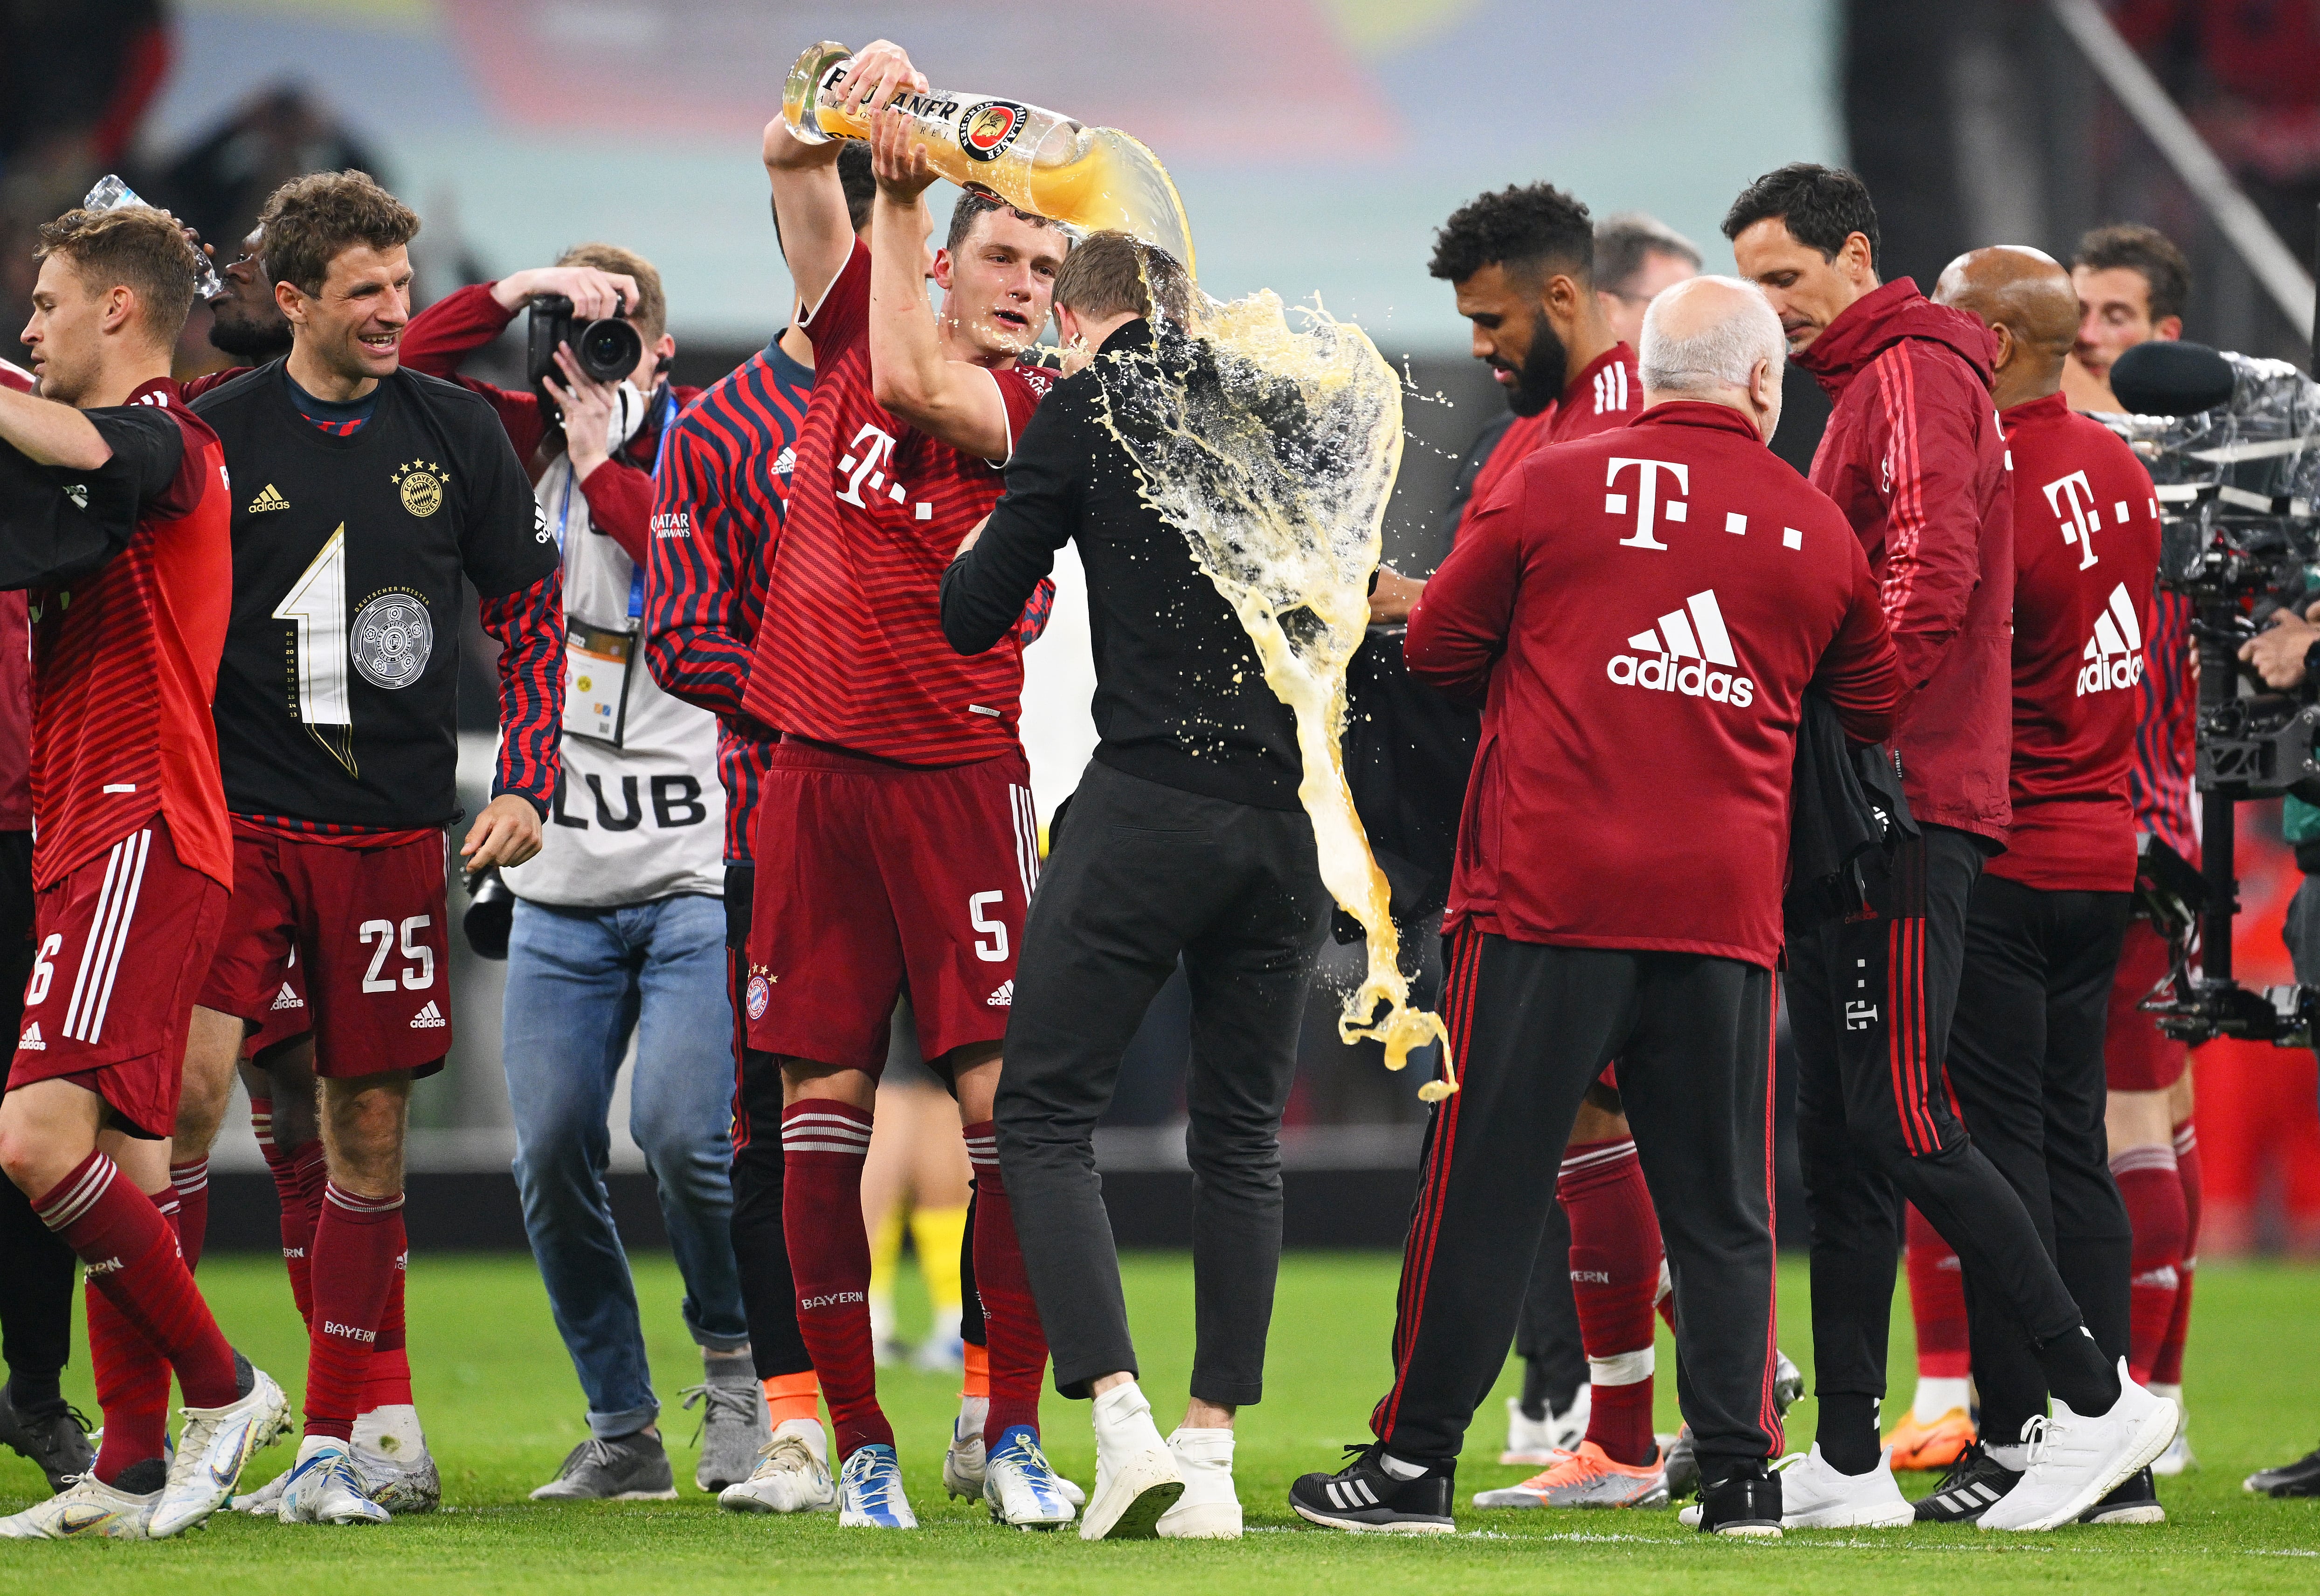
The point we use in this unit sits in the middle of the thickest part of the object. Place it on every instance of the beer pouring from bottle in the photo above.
(1037, 160)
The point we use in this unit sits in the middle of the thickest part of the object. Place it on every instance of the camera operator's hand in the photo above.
(587, 405)
(594, 295)
(901, 166)
(507, 832)
(2278, 650)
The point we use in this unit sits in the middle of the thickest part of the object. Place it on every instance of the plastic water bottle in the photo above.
(111, 194)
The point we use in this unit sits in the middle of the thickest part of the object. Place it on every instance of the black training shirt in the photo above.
(336, 700)
(1180, 696)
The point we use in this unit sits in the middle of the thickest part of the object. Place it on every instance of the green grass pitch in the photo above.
(501, 1409)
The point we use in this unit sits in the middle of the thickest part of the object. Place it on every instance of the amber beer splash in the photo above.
(1040, 161)
(1276, 457)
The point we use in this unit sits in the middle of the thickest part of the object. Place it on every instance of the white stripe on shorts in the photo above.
(1026, 836)
(108, 938)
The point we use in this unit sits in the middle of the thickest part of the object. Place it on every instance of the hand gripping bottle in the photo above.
(1037, 160)
(111, 194)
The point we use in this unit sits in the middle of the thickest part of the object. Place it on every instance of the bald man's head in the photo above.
(2025, 297)
(1715, 339)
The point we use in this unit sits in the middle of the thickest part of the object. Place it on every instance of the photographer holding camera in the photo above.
(618, 924)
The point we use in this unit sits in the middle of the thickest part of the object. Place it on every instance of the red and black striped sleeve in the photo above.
(528, 624)
(700, 636)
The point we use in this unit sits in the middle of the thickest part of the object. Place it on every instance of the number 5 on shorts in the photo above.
(417, 976)
(993, 951)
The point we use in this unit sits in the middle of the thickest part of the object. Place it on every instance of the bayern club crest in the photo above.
(392, 638)
(761, 992)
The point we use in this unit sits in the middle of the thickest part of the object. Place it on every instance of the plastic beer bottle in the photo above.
(111, 194)
(1036, 159)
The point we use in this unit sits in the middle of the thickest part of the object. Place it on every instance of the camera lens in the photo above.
(609, 350)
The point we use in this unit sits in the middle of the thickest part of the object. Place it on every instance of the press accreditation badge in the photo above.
(596, 681)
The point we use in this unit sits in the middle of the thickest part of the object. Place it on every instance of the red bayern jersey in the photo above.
(124, 665)
(2086, 551)
(1607, 392)
(852, 651)
(1644, 611)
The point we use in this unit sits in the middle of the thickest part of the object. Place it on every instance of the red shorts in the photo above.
(121, 945)
(2137, 1057)
(874, 877)
(287, 1018)
(366, 928)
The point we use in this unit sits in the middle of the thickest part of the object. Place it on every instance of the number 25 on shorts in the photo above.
(418, 972)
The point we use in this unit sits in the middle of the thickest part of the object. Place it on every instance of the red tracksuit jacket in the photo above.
(1644, 609)
(1914, 458)
(2086, 548)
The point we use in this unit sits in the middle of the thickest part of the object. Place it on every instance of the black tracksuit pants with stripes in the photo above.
(1870, 1007)
(1530, 1027)
(2026, 1064)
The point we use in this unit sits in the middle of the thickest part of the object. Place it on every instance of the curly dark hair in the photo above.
(2145, 249)
(309, 221)
(1822, 205)
(1526, 229)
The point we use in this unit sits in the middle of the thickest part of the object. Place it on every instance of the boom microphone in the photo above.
(2162, 377)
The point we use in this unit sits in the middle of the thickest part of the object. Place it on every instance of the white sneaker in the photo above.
(792, 1475)
(211, 1449)
(1136, 1478)
(870, 1494)
(325, 1489)
(1209, 1508)
(1020, 1485)
(1529, 1441)
(1816, 1496)
(85, 1509)
(963, 1462)
(2077, 1459)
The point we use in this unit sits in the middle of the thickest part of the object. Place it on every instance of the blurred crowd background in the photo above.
(1317, 144)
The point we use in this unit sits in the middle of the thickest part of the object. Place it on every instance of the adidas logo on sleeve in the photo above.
(2113, 654)
(1687, 651)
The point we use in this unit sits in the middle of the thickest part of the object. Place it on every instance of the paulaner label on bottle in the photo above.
(985, 128)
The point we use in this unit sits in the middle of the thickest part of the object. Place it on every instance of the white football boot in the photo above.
(792, 1475)
(325, 1489)
(86, 1508)
(211, 1449)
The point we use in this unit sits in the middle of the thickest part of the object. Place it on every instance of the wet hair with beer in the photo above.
(1111, 273)
(309, 221)
(1530, 231)
(1623, 243)
(2143, 249)
(975, 204)
(650, 317)
(136, 248)
(1822, 206)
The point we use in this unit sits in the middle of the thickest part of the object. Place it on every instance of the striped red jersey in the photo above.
(16, 680)
(124, 664)
(718, 496)
(1608, 392)
(2166, 722)
(852, 653)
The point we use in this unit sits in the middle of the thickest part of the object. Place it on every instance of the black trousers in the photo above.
(768, 1291)
(1870, 1003)
(1530, 1027)
(2026, 1064)
(1140, 875)
(36, 1305)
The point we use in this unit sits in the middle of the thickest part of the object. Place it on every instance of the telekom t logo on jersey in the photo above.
(868, 465)
(2073, 497)
(1649, 506)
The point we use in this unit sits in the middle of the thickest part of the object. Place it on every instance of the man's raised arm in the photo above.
(817, 234)
(948, 399)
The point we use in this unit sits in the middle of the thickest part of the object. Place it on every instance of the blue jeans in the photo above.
(580, 981)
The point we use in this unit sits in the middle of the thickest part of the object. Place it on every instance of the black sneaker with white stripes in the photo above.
(1974, 1482)
(1362, 1496)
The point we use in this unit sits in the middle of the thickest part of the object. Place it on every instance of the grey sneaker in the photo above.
(57, 1440)
(734, 1429)
(628, 1468)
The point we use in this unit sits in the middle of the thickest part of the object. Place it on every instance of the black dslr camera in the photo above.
(2232, 445)
(606, 350)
